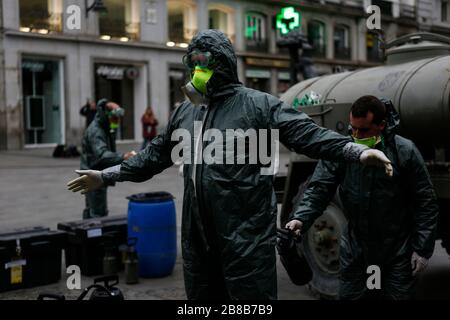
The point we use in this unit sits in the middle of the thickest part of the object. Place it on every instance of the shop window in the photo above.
(374, 53)
(316, 37)
(255, 31)
(41, 16)
(41, 90)
(342, 42)
(221, 18)
(121, 20)
(182, 20)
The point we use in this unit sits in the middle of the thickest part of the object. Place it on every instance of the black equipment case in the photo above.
(30, 257)
(88, 240)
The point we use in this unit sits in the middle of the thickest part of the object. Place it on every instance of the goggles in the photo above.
(119, 112)
(200, 59)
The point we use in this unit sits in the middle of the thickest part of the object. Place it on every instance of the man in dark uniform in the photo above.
(99, 152)
(391, 220)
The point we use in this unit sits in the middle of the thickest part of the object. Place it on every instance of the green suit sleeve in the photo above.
(148, 162)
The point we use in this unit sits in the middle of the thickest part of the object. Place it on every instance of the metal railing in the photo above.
(257, 45)
(318, 51)
(342, 53)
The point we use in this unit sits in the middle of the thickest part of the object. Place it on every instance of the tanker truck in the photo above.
(415, 77)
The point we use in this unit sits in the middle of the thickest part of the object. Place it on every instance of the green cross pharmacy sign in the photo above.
(287, 20)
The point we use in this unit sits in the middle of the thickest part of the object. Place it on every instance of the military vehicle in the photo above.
(415, 77)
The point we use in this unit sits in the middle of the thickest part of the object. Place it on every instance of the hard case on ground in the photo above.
(30, 257)
(88, 241)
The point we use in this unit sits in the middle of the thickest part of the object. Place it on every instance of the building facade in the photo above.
(57, 54)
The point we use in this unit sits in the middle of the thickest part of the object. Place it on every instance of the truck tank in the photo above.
(415, 77)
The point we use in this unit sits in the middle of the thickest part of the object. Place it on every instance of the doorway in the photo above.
(43, 101)
(116, 83)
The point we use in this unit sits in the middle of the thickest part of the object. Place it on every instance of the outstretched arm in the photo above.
(147, 163)
(143, 166)
(299, 133)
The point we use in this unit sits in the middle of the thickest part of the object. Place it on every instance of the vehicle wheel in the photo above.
(320, 247)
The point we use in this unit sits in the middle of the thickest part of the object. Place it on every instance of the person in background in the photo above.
(99, 152)
(89, 110)
(149, 124)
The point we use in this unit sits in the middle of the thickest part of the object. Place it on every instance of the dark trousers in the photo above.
(397, 282)
(96, 204)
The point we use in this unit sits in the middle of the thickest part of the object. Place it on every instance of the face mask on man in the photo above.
(370, 142)
(114, 116)
(200, 65)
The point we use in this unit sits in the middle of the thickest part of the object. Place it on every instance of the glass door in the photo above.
(42, 101)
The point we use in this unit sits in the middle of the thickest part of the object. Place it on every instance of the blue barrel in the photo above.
(152, 220)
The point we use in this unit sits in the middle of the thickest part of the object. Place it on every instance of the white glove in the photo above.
(295, 226)
(90, 180)
(418, 263)
(374, 157)
(129, 155)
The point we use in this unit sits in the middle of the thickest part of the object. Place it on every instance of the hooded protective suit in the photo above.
(99, 152)
(388, 218)
(229, 210)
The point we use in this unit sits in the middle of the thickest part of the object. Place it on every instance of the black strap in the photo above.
(97, 286)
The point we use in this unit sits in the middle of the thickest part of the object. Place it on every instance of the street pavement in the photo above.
(33, 193)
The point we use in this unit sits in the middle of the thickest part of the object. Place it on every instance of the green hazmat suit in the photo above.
(230, 210)
(388, 218)
(98, 153)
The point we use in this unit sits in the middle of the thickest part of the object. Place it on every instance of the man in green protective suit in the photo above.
(229, 207)
(391, 220)
(99, 152)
